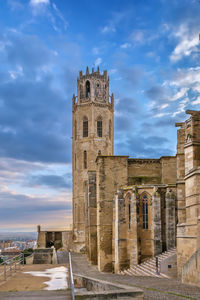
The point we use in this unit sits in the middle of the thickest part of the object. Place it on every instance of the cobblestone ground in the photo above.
(154, 288)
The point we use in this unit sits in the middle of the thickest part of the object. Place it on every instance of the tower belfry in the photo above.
(92, 136)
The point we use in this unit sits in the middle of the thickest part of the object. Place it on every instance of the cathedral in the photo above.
(127, 210)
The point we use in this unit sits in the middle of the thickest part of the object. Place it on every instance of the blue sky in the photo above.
(151, 52)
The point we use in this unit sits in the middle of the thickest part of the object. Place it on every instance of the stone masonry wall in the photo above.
(111, 175)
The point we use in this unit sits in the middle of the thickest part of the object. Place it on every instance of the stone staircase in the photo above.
(148, 268)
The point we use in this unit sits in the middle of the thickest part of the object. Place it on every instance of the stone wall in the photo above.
(111, 175)
(188, 233)
(144, 171)
(168, 169)
(191, 269)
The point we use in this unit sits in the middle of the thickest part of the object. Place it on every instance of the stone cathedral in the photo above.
(126, 210)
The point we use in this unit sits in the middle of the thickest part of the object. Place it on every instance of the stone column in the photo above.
(156, 205)
(180, 185)
(170, 219)
(115, 242)
(92, 217)
(133, 237)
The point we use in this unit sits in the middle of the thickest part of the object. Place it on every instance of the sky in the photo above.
(151, 51)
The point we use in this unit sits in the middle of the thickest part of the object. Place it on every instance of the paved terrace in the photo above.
(154, 288)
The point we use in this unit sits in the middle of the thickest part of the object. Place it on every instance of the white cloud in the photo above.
(98, 61)
(112, 71)
(159, 115)
(108, 28)
(60, 16)
(197, 101)
(188, 42)
(36, 2)
(181, 107)
(180, 94)
(125, 45)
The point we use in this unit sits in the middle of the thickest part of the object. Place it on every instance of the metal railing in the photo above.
(71, 277)
(10, 266)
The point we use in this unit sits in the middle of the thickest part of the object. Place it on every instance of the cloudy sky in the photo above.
(151, 52)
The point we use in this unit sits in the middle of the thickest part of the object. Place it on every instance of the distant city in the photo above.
(14, 243)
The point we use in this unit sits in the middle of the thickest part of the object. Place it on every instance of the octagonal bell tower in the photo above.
(92, 136)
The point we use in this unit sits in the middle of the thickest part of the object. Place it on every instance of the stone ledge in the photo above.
(101, 289)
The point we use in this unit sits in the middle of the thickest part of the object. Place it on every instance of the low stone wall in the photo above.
(191, 270)
(45, 256)
(99, 289)
(168, 266)
(29, 259)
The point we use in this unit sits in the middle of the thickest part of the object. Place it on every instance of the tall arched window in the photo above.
(99, 127)
(87, 88)
(85, 159)
(145, 211)
(85, 127)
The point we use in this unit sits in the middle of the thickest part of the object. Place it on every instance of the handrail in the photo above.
(71, 276)
(9, 263)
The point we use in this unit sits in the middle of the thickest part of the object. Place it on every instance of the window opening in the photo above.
(99, 128)
(145, 211)
(85, 127)
(87, 89)
(129, 215)
(85, 159)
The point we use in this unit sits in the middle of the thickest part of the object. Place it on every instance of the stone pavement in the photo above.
(62, 257)
(36, 295)
(154, 288)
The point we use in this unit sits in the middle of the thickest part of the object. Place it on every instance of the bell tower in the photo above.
(92, 136)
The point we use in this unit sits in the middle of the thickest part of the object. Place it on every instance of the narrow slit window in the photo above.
(145, 212)
(99, 128)
(85, 127)
(129, 215)
(85, 159)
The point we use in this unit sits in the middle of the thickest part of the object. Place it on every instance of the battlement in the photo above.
(95, 74)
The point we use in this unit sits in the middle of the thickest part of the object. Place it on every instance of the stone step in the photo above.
(148, 268)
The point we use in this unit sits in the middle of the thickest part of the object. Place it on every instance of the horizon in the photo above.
(151, 53)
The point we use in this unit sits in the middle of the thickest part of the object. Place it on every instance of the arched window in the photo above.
(145, 211)
(87, 88)
(99, 127)
(85, 127)
(110, 129)
(85, 159)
